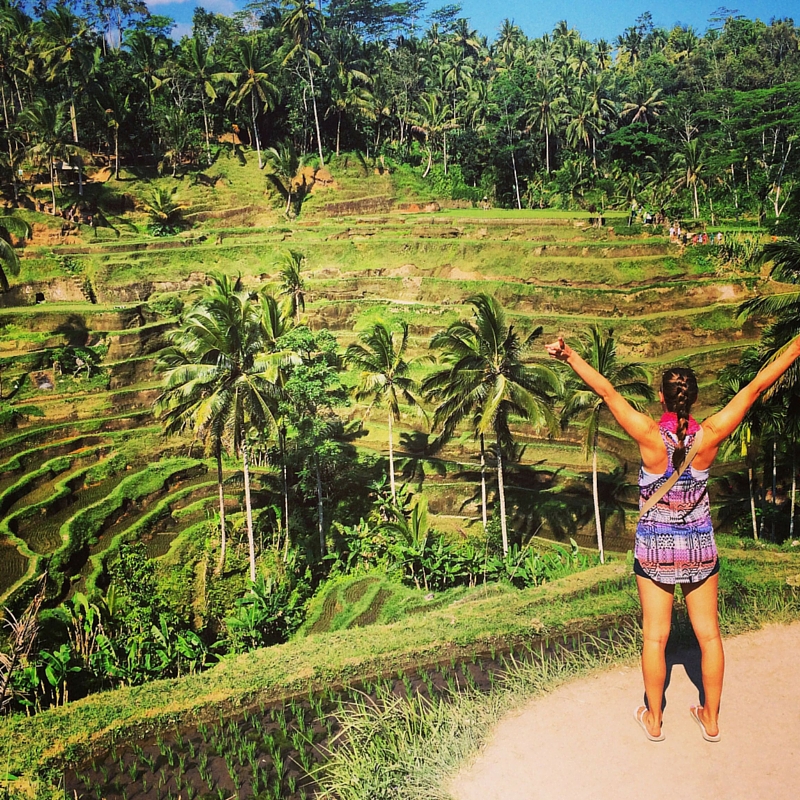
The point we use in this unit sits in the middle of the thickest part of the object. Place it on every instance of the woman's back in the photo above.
(675, 538)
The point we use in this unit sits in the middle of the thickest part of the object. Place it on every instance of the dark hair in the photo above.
(679, 387)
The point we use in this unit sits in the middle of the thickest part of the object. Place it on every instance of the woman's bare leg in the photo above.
(656, 599)
(701, 603)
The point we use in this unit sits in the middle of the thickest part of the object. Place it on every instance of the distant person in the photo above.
(674, 536)
(672, 233)
(719, 237)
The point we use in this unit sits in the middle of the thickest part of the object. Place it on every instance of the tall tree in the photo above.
(384, 376)
(198, 61)
(690, 168)
(284, 166)
(313, 390)
(545, 111)
(67, 52)
(49, 128)
(292, 284)
(116, 108)
(629, 379)
(301, 21)
(254, 80)
(230, 381)
(487, 382)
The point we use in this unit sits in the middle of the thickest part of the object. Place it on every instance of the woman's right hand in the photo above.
(559, 349)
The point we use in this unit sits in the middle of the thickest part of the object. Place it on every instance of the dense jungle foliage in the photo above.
(681, 121)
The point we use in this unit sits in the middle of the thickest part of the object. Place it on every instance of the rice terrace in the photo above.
(293, 504)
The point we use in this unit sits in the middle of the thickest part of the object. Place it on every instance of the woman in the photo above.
(675, 540)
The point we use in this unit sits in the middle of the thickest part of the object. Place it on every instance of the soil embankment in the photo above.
(582, 740)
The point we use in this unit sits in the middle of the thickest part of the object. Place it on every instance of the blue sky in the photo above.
(595, 19)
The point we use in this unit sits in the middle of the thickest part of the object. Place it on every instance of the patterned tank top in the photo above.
(675, 539)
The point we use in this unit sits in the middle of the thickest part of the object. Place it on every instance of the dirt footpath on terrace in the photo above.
(582, 741)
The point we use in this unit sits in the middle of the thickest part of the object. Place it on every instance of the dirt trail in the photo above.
(581, 741)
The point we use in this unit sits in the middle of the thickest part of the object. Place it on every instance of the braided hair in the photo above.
(679, 387)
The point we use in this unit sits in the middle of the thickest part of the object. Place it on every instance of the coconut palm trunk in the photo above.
(53, 185)
(285, 497)
(547, 147)
(391, 457)
(205, 125)
(314, 105)
(483, 484)
(255, 128)
(794, 493)
(750, 478)
(596, 499)
(73, 117)
(774, 485)
(220, 487)
(430, 162)
(501, 490)
(320, 520)
(251, 544)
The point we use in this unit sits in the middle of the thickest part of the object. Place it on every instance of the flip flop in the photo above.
(694, 711)
(638, 715)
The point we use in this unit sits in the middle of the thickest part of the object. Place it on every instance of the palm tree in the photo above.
(486, 381)
(690, 169)
(9, 261)
(253, 80)
(164, 211)
(276, 321)
(300, 22)
(782, 308)
(432, 119)
(147, 54)
(545, 111)
(197, 61)
(384, 376)
(179, 406)
(642, 102)
(629, 379)
(116, 108)
(743, 441)
(292, 284)
(582, 128)
(229, 382)
(349, 79)
(49, 129)
(285, 166)
(66, 51)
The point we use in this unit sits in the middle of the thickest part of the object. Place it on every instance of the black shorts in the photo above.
(639, 570)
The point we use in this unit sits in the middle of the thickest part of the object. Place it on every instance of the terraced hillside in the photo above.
(83, 465)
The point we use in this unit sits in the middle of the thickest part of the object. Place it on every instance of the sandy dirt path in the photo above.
(581, 741)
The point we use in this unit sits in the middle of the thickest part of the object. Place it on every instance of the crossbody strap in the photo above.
(675, 477)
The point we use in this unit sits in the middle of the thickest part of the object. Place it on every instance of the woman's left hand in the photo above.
(559, 349)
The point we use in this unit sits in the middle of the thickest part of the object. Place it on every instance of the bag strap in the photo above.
(673, 479)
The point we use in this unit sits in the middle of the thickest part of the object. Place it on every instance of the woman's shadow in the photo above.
(683, 652)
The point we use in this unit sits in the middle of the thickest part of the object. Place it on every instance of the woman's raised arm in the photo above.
(640, 427)
(722, 424)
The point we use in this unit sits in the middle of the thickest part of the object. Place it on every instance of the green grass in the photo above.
(753, 589)
(420, 745)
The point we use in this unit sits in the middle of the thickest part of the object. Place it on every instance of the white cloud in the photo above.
(226, 7)
(181, 29)
(156, 3)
